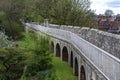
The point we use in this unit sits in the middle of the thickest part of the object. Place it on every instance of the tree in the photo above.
(108, 12)
(31, 61)
(65, 12)
(38, 56)
(72, 12)
(12, 10)
(60, 11)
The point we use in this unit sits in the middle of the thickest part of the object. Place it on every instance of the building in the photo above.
(108, 23)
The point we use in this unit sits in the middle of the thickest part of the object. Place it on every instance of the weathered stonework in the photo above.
(104, 40)
(95, 62)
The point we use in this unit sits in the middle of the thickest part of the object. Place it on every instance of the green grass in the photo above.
(63, 70)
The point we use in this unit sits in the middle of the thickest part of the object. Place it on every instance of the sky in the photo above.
(100, 6)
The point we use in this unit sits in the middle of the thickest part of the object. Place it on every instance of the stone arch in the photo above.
(52, 46)
(76, 67)
(71, 59)
(58, 50)
(65, 54)
(82, 73)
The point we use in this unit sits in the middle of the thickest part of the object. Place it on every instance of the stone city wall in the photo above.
(104, 40)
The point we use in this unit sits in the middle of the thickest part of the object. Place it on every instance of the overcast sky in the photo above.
(101, 5)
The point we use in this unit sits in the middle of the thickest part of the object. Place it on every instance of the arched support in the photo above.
(82, 73)
(71, 59)
(58, 50)
(52, 46)
(76, 67)
(65, 54)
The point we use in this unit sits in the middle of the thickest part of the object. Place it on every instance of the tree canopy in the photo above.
(109, 12)
(65, 12)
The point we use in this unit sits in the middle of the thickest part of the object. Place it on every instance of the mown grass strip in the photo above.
(63, 70)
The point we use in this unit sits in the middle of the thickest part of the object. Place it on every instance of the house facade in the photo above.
(108, 23)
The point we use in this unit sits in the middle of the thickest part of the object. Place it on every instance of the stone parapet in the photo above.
(104, 40)
(103, 62)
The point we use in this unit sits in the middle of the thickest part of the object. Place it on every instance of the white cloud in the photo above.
(101, 5)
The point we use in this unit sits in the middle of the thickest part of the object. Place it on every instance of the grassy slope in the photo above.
(63, 70)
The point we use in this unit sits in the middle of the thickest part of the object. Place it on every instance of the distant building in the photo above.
(108, 23)
(116, 24)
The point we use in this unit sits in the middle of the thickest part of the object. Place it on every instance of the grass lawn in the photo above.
(63, 70)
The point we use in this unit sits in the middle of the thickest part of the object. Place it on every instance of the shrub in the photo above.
(4, 42)
(39, 61)
(31, 60)
(11, 63)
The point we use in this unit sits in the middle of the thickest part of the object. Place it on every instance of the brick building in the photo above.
(108, 23)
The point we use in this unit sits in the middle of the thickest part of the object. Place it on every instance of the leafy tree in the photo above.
(12, 10)
(59, 11)
(11, 63)
(38, 63)
(72, 12)
(109, 12)
(68, 12)
(65, 12)
(43, 7)
(31, 60)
